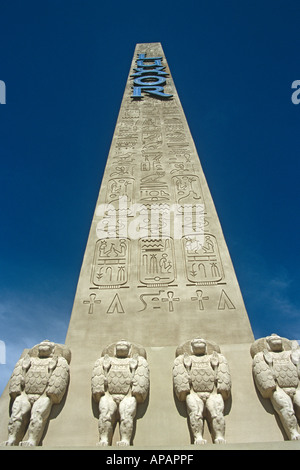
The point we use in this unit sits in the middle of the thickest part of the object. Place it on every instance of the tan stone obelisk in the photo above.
(141, 279)
(156, 272)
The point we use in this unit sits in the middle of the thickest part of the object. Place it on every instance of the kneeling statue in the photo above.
(201, 378)
(39, 380)
(120, 381)
(276, 372)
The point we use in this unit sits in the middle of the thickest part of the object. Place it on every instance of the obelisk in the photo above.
(156, 267)
(156, 272)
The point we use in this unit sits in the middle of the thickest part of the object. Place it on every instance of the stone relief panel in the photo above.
(154, 188)
(123, 168)
(111, 263)
(150, 109)
(152, 139)
(181, 167)
(120, 187)
(276, 366)
(151, 161)
(115, 305)
(202, 259)
(173, 124)
(120, 381)
(38, 382)
(126, 143)
(187, 189)
(92, 301)
(170, 107)
(156, 300)
(221, 302)
(171, 299)
(201, 378)
(127, 127)
(131, 112)
(180, 152)
(156, 261)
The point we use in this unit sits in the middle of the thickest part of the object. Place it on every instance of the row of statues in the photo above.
(121, 380)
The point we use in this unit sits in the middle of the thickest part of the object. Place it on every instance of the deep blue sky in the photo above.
(65, 65)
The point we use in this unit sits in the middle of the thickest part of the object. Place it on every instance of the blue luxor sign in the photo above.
(149, 77)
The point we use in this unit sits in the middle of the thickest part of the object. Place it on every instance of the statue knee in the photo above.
(127, 409)
(281, 401)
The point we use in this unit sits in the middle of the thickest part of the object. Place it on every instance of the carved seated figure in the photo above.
(39, 380)
(201, 378)
(276, 370)
(120, 381)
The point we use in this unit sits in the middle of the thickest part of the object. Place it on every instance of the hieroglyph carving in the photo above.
(188, 189)
(202, 379)
(120, 381)
(157, 261)
(154, 188)
(111, 263)
(276, 370)
(120, 187)
(202, 259)
(39, 380)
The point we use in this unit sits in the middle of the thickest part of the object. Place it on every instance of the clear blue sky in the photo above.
(65, 65)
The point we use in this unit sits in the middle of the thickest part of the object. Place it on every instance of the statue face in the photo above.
(275, 343)
(198, 346)
(122, 349)
(45, 348)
